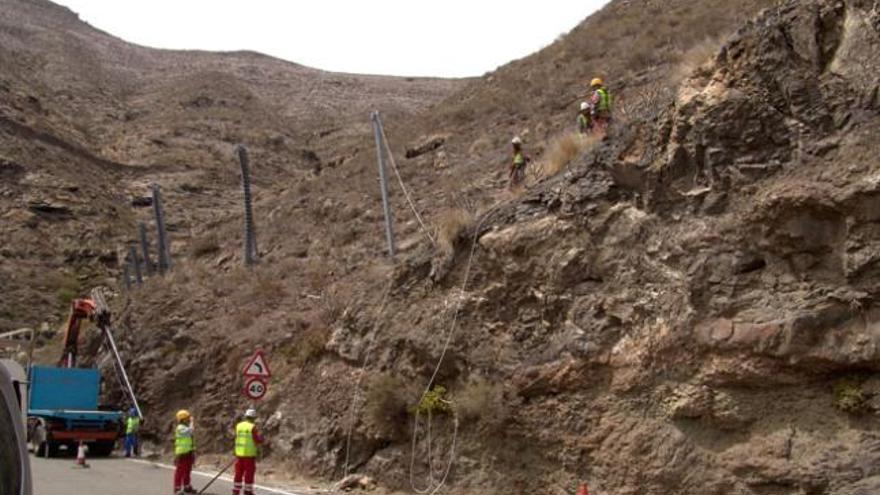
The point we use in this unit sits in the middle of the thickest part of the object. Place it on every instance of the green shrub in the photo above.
(434, 402)
(849, 397)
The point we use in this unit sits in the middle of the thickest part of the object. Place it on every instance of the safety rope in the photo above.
(433, 488)
(406, 194)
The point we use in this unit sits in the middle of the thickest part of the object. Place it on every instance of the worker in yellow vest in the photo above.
(517, 172)
(247, 438)
(132, 428)
(600, 102)
(584, 120)
(184, 453)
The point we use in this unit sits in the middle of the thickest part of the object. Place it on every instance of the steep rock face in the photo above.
(682, 317)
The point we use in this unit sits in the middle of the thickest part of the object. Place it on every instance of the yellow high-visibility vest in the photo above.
(183, 440)
(244, 440)
(132, 425)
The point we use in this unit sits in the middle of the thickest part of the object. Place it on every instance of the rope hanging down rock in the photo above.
(433, 487)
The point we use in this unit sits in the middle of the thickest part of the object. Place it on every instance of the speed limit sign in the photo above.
(255, 389)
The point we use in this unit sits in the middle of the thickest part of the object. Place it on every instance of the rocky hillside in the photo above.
(687, 307)
(88, 121)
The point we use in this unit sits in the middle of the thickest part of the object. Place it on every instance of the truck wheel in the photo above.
(52, 449)
(101, 449)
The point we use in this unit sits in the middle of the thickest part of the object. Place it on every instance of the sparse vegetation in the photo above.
(434, 402)
(387, 398)
(482, 403)
(267, 287)
(849, 397)
(696, 59)
(449, 227)
(480, 145)
(308, 346)
(66, 286)
(205, 246)
(561, 151)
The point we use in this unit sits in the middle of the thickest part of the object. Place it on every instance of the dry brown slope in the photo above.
(89, 120)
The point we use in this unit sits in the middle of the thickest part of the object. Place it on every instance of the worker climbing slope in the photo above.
(584, 123)
(600, 102)
(518, 163)
(247, 438)
(184, 453)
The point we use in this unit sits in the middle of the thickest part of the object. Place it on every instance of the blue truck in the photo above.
(63, 411)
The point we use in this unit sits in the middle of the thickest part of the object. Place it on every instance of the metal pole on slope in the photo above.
(126, 276)
(383, 181)
(145, 248)
(250, 237)
(162, 248)
(138, 275)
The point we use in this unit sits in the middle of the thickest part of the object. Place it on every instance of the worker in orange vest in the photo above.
(247, 438)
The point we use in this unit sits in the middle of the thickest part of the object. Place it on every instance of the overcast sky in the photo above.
(400, 37)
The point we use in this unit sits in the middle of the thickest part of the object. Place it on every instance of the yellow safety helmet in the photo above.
(182, 415)
(596, 82)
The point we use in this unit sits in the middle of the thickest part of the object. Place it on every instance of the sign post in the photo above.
(256, 377)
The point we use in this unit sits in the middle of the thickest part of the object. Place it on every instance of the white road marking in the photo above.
(228, 479)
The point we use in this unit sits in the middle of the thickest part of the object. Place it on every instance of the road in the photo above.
(119, 476)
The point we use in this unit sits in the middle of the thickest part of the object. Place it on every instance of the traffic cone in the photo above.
(583, 490)
(81, 455)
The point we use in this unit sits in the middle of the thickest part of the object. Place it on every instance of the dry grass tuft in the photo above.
(480, 145)
(695, 61)
(450, 225)
(309, 346)
(562, 150)
(205, 246)
(387, 401)
(267, 287)
(482, 402)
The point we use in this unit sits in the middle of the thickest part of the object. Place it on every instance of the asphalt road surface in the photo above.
(119, 476)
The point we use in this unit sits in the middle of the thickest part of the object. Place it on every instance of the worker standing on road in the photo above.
(600, 102)
(518, 165)
(583, 119)
(184, 453)
(132, 427)
(246, 440)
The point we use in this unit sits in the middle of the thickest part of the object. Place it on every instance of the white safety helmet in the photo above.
(516, 140)
(584, 105)
(250, 413)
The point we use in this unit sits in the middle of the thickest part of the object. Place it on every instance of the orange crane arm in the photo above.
(80, 309)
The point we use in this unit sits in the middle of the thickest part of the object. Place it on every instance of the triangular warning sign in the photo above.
(257, 366)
